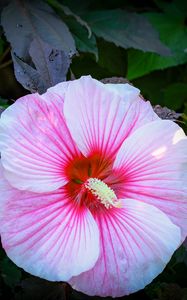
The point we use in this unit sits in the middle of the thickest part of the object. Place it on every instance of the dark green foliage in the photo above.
(143, 41)
(173, 32)
(128, 30)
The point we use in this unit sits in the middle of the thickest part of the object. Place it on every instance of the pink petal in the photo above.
(153, 164)
(35, 143)
(59, 90)
(137, 241)
(131, 94)
(47, 235)
(126, 91)
(99, 118)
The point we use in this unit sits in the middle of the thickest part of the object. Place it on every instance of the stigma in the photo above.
(102, 192)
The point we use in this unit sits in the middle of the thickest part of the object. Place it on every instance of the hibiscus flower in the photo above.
(93, 187)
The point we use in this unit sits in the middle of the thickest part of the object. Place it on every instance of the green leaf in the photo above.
(175, 95)
(86, 65)
(10, 272)
(112, 58)
(151, 86)
(111, 62)
(83, 42)
(3, 103)
(173, 33)
(68, 12)
(176, 8)
(128, 30)
(78, 6)
(84, 39)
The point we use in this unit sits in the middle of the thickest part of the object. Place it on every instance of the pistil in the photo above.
(102, 192)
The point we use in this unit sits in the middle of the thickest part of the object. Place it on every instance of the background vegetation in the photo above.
(45, 42)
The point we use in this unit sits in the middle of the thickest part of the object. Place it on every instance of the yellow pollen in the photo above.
(102, 192)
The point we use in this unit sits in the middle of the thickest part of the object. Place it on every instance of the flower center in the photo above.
(102, 192)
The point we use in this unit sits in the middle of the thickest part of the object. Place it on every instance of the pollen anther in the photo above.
(102, 192)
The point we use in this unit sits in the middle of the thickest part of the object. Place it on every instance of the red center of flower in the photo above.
(79, 171)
